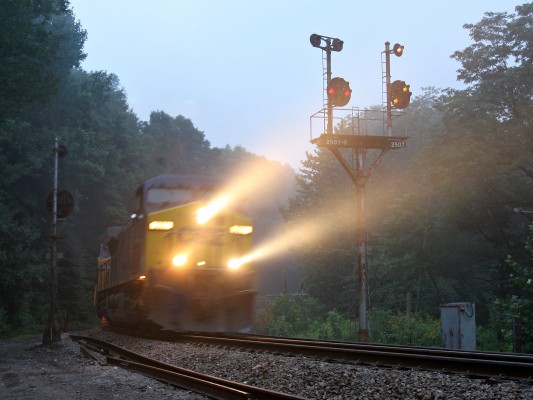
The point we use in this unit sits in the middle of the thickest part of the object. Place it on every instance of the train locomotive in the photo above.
(180, 263)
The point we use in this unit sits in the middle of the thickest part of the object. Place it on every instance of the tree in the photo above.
(519, 303)
(39, 43)
(174, 145)
(490, 129)
(105, 164)
(499, 66)
(469, 174)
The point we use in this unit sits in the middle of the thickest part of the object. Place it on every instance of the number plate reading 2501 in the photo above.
(397, 144)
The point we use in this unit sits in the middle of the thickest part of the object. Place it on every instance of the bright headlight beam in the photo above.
(207, 212)
(299, 234)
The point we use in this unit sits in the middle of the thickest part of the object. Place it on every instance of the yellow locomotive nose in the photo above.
(207, 212)
(186, 263)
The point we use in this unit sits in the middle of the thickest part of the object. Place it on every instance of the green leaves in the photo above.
(499, 63)
(39, 44)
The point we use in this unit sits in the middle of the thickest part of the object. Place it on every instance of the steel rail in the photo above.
(183, 380)
(211, 386)
(478, 364)
(469, 354)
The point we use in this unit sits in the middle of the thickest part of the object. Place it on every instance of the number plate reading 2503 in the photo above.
(397, 144)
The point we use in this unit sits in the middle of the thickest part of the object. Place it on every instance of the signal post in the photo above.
(338, 94)
(60, 204)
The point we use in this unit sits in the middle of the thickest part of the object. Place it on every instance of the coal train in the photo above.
(180, 263)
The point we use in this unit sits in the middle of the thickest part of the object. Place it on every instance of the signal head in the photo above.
(397, 50)
(315, 40)
(61, 150)
(339, 92)
(337, 45)
(331, 44)
(400, 96)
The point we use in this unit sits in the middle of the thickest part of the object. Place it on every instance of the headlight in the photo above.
(235, 263)
(161, 225)
(179, 260)
(241, 229)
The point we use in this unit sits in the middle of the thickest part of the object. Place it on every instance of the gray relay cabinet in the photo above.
(458, 326)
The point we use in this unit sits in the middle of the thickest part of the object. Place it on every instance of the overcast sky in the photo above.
(245, 73)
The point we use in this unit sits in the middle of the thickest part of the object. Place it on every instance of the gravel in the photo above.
(318, 379)
(29, 371)
(59, 371)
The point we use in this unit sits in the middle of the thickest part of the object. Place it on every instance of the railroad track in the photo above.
(213, 387)
(475, 364)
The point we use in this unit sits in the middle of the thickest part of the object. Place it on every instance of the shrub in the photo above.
(396, 328)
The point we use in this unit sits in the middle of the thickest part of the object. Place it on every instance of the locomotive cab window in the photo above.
(159, 197)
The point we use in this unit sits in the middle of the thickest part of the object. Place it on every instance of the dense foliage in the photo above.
(306, 317)
(447, 217)
(39, 44)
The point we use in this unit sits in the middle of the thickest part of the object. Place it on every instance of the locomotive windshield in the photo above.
(162, 197)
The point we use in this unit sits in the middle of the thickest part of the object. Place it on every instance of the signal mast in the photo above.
(338, 95)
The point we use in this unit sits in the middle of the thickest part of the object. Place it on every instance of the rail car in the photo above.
(180, 262)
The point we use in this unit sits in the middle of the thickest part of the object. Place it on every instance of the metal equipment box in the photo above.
(458, 326)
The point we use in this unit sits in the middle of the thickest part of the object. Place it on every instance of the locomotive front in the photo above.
(192, 273)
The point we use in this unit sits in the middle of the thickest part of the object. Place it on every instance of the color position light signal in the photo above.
(339, 92)
(400, 96)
